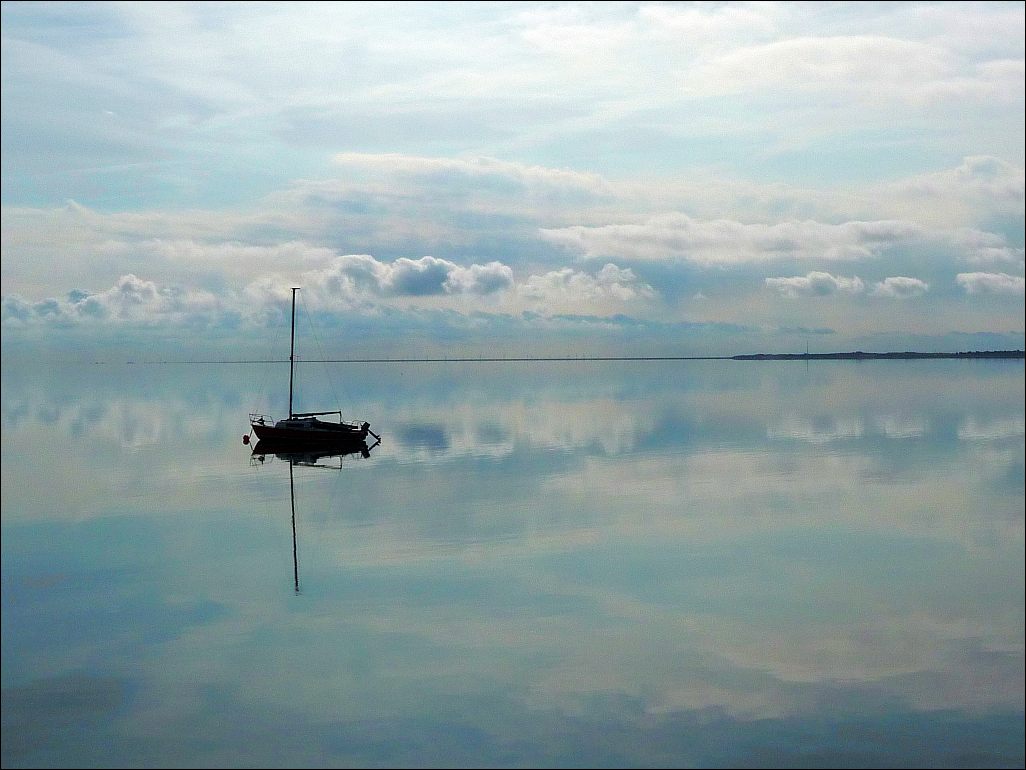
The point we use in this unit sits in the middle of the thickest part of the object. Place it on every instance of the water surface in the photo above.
(587, 564)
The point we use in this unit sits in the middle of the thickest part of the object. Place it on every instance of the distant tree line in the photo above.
(859, 355)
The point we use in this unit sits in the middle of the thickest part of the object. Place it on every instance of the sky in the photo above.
(512, 178)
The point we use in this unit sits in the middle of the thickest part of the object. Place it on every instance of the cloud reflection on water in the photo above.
(572, 562)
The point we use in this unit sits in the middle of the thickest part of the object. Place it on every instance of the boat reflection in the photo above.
(308, 457)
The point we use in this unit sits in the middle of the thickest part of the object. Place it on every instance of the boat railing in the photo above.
(264, 419)
(337, 412)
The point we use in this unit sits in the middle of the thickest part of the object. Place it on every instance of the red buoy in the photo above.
(245, 439)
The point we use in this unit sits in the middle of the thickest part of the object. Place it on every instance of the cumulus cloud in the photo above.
(479, 279)
(900, 287)
(816, 284)
(416, 277)
(991, 283)
(131, 300)
(352, 275)
(609, 283)
(345, 283)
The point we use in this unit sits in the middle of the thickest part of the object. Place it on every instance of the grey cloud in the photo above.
(48, 307)
(356, 271)
(816, 283)
(354, 274)
(417, 277)
(16, 310)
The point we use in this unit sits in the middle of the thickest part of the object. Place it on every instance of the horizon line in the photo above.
(852, 355)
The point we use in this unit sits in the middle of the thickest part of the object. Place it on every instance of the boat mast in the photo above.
(292, 348)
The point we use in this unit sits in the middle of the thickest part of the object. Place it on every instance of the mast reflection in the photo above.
(308, 457)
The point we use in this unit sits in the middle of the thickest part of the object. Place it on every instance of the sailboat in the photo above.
(303, 430)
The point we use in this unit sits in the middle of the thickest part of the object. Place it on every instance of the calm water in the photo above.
(588, 564)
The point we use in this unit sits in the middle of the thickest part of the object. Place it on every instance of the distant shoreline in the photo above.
(858, 355)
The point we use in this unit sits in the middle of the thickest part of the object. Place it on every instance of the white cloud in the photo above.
(901, 426)
(479, 279)
(973, 429)
(981, 247)
(481, 173)
(724, 241)
(949, 206)
(900, 287)
(991, 283)
(820, 431)
(816, 283)
(870, 65)
(571, 32)
(979, 186)
(709, 24)
(611, 283)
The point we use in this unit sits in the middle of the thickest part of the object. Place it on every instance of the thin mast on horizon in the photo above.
(292, 347)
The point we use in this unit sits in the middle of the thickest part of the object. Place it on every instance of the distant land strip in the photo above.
(856, 355)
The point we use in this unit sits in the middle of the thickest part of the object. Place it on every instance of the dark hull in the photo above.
(304, 437)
